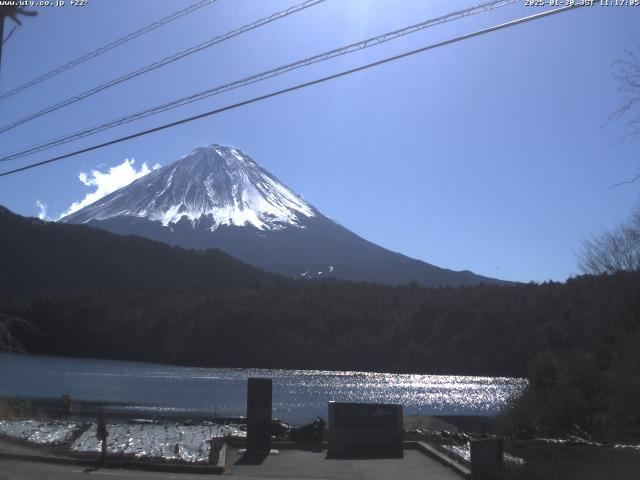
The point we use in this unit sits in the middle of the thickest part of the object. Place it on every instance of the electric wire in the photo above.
(260, 77)
(299, 86)
(163, 62)
(107, 47)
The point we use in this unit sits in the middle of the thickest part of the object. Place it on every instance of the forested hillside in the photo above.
(38, 255)
(490, 330)
(92, 294)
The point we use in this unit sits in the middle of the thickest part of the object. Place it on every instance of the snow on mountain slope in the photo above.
(218, 197)
(217, 184)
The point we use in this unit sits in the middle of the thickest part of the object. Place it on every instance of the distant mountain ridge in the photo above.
(37, 255)
(218, 197)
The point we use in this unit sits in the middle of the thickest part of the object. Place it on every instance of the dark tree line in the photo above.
(577, 341)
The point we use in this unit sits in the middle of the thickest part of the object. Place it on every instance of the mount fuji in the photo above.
(218, 197)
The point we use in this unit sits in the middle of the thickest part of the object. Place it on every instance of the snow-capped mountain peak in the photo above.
(218, 197)
(217, 184)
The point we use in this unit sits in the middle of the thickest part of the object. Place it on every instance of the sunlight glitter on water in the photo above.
(298, 395)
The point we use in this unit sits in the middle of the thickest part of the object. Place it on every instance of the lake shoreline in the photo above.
(143, 389)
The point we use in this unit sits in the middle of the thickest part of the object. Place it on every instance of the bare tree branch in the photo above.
(613, 251)
(626, 70)
(633, 180)
(627, 73)
(8, 342)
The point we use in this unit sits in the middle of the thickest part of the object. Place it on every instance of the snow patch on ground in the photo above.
(187, 443)
(167, 442)
(40, 433)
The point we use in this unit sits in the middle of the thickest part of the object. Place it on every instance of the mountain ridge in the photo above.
(39, 255)
(219, 197)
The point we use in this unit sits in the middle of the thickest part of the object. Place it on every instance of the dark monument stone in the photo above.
(259, 414)
(365, 430)
(486, 459)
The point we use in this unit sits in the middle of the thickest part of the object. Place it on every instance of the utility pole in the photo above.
(11, 11)
(1, 34)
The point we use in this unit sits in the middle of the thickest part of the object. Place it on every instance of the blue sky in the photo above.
(490, 155)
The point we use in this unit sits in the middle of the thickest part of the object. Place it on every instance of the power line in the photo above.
(298, 87)
(165, 61)
(262, 76)
(107, 47)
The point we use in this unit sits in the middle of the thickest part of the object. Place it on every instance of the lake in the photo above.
(298, 395)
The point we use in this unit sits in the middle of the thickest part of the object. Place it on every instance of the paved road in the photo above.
(289, 465)
(19, 470)
(297, 464)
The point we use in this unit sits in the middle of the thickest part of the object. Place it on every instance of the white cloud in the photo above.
(108, 182)
(42, 214)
